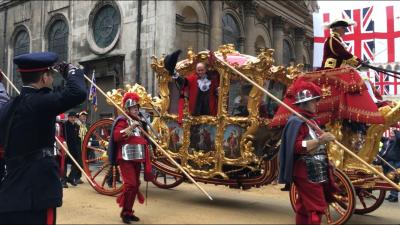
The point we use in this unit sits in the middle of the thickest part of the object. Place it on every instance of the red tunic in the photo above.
(311, 199)
(130, 170)
(335, 53)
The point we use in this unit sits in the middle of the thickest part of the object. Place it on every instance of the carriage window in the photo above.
(268, 106)
(239, 91)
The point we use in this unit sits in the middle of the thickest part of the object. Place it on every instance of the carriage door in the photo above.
(108, 74)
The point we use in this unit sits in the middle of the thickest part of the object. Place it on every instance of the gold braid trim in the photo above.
(354, 110)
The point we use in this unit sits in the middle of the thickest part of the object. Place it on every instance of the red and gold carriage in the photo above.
(237, 147)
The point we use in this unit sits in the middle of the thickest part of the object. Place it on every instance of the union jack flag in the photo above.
(385, 84)
(360, 39)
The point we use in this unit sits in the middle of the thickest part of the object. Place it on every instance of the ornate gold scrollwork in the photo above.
(258, 69)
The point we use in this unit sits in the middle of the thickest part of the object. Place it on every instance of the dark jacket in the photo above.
(72, 135)
(33, 183)
(392, 151)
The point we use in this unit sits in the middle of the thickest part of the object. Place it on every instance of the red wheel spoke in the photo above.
(105, 178)
(362, 201)
(337, 209)
(370, 195)
(114, 176)
(99, 171)
(328, 216)
(96, 149)
(99, 137)
(94, 160)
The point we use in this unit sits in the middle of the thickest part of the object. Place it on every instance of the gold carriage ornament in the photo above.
(236, 147)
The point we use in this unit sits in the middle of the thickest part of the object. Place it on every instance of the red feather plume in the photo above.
(130, 95)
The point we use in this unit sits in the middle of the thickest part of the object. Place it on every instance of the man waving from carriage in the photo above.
(129, 148)
(303, 157)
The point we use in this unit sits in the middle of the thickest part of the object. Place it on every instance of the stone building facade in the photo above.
(115, 39)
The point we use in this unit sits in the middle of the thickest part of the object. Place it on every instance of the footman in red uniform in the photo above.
(303, 157)
(129, 148)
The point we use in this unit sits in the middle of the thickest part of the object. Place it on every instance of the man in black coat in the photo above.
(32, 190)
(391, 153)
(73, 143)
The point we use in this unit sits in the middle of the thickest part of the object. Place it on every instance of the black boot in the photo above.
(126, 219)
(134, 218)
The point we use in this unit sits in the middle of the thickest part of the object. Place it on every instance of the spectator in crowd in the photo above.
(73, 143)
(391, 153)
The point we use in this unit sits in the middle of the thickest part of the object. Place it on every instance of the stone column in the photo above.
(277, 24)
(216, 25)
(249, 12)
(298, 44)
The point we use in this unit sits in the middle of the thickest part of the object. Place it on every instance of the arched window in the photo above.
(288, 56)
(231, 31)
(58, 39)
(58, 43)
(21, 46)
(259, 45)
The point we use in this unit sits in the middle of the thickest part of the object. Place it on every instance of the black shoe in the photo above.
(126, 219)
(394, 199)
(79, 181)
(64, 184)
(72, 182)
(286, 188)
(389, 197)
(134, 218)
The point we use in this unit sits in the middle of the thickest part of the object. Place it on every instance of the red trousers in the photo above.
(311, 202)
(130, 172)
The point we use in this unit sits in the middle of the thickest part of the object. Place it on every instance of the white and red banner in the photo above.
(375, 38)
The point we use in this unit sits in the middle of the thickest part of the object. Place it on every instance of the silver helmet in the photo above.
(305, 96)
(130, 102)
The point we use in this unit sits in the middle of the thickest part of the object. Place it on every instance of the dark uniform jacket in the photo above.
(391, 151)
(335, 53)
(72, 138)
(32, 182)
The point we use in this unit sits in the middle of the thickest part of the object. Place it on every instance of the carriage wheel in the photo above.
(95, 160)
(368, 200)
(343, 206)
(164, 180)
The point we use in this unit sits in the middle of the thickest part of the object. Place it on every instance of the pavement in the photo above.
(185, 204)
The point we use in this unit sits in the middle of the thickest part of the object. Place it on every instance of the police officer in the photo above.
(32, 190)
(335, 53)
